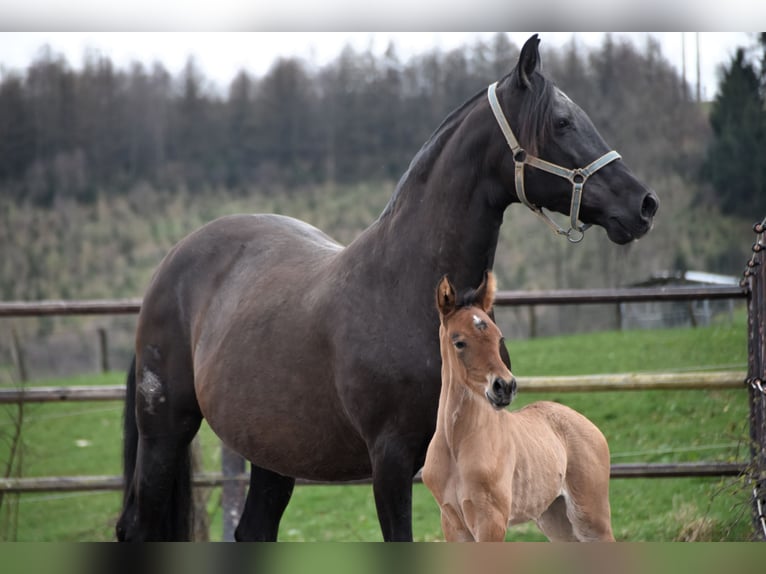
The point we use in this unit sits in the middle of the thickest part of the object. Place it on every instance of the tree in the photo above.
(241, 129)
(16, 134)
(734, 163)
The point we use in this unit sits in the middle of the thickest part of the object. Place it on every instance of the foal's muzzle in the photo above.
(501, 392)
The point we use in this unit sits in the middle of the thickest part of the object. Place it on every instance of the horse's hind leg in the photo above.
(583, 518)
(168, 417)
(590, 516)
(555, 523)
(266, 501)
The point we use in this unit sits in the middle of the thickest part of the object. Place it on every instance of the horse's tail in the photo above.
(129, 434)
(177, 521)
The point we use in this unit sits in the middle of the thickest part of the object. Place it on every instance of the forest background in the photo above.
(103, 168)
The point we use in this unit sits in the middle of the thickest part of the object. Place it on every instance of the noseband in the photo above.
(577, 176)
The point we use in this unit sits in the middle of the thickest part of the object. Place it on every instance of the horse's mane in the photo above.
(423, 161)
(467, 298)
(531, 134)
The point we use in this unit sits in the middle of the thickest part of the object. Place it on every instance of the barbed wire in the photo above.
(747, 281)
(756, 381)
(758, 247)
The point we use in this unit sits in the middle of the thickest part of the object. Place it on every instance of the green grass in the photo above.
(641, 426)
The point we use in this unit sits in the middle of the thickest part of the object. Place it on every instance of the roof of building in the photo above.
(687, 277)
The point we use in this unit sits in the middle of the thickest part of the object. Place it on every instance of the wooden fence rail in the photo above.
(212, 479)
(510, 298)
(710, 380)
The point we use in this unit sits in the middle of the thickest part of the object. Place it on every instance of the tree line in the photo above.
(101, 129)
(735, 163)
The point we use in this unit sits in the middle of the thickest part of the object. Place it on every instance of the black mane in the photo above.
(531, 134)
(535, 130)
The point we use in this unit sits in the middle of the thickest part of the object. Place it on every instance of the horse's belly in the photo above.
(297, 447)
(535, 487)
(285, 420)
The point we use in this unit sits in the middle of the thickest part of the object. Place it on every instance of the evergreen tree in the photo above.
(735, 160)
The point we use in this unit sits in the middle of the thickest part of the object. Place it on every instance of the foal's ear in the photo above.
(485, 294)
(446, 300)
(529, 61)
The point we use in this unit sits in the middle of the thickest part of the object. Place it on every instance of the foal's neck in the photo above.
(464, 415)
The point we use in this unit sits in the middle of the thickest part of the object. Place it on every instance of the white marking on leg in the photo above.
(150, 388)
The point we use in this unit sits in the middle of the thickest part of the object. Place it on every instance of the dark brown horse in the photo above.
(320, 361)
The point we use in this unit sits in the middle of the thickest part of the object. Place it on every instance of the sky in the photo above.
(220, 55)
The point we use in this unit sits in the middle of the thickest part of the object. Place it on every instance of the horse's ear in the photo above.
(485, 294)
(529, 61)
(446, 300)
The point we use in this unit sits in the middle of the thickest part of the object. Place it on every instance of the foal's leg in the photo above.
(590, 515)
(266, 501)
(486, 522)
(587, 488)
(555, 524)
(453, 527)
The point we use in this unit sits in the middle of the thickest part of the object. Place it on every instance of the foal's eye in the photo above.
(562, 123)
(459, 345)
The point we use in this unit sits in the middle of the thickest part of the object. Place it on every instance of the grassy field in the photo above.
(650, 426)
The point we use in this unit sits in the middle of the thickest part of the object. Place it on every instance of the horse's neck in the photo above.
(463, 417)
(446, 213)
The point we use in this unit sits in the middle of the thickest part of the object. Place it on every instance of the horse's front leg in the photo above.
(392, 471)
(484, 518)
(453, 527)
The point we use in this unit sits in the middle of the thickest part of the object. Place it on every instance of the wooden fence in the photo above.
(233, 477)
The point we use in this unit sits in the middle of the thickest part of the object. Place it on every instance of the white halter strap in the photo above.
(577, 177)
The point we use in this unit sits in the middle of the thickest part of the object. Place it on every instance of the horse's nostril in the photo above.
(513, 385)
(497, 386)
(649, 206)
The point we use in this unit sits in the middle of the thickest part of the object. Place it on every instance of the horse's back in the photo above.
(227, 256)
(582, 442)
(562, 419)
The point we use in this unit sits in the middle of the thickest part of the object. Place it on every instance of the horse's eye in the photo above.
(459, 345)
(562, 123)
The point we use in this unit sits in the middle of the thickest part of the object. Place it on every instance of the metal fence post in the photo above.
(755, 275)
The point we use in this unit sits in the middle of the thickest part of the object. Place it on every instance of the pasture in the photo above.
(645, 426)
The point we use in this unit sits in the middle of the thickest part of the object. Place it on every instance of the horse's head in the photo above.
(470, 341)
(560, 161)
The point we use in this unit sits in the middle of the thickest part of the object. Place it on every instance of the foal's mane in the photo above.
(532, 132)
(467, 298)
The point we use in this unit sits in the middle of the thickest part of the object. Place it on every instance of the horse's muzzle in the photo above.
(501, 392)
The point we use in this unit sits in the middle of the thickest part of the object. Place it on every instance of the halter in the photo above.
(577, 176)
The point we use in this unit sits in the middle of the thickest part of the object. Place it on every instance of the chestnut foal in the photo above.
(489, 468)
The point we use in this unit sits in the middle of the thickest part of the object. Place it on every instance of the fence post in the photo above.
(756, 351)
(103, 346)
(18, 356)
(232, 492)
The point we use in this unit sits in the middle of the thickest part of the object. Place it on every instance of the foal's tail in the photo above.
(176, 523)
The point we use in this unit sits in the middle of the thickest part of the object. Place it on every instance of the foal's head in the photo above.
(470, 341)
